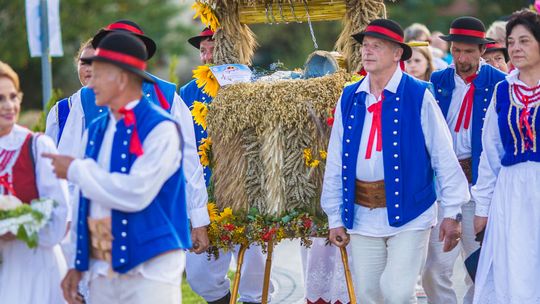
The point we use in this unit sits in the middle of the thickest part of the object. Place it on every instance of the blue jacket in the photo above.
(443, 82)
(189, 94)
(514, 140)
(137, 236)
(408, 176)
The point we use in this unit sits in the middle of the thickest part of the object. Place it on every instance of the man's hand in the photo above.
(70, 285)
(450, 233)
(339, 237)
(60, 163)
(7, 236)
(199, 237)
(480, 223)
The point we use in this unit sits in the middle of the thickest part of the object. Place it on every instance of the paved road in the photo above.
(288, 278)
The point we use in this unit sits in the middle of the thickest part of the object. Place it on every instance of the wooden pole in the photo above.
(348, 276)
(267, 271)
(236, 284)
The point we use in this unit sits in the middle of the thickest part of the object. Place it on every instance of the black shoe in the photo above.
(225, 300)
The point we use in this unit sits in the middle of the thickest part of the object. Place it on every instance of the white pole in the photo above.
(46, 71)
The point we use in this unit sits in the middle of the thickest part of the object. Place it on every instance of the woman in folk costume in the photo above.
(507, 192)
(56, 119)
(29, 275)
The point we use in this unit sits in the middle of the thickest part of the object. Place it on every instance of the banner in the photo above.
(33, 28)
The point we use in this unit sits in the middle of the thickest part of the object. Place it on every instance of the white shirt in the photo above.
(490, 159)
(131, 192)
(438, 142)
(461, 140)
(196, 194)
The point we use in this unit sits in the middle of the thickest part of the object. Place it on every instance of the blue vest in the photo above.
(142, 235)
(443, 82)
(189, 94)
(513, 140)
(63, 107)
(408, 176)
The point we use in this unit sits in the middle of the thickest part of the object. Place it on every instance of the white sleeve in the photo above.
(53, 188)
(490, 162)
(134, 191)
(70, 142)
(332, 196)
(196, 193)
(454, 188)
(51, 125)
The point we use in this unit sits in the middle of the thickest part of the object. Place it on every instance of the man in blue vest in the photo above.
(131, 223)
(463, 92)
(388, 140)
(208, 278)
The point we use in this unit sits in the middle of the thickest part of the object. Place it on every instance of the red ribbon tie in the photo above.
(135, 146)
(376, 124)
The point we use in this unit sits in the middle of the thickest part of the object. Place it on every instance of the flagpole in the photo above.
(46, 71)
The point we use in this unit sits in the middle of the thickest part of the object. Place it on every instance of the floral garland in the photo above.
(227, 230)
(206, 80)
(199, 110)
(207, 15)
(205, 151)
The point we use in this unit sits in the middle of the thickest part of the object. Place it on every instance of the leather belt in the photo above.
(100, 238)
(466, 166)
(370, 194)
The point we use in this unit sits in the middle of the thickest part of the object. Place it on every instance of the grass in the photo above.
(190, 297)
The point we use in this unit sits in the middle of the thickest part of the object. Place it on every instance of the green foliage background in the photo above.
(169, 23)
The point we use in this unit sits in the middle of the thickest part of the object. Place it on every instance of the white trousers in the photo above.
(437, 276)
(386, 269)
(208, 278)
(132, 289)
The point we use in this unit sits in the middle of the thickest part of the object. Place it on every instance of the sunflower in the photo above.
(199, 111)
(227, 213)
(204, 151)
(323, 154)
(207, 15)
(212, 211)
(206, 80)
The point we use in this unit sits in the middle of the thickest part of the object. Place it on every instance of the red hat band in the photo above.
(123, 26)
(384, 31)
(466, 32)
(122, 58)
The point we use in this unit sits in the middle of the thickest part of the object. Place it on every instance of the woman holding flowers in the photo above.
(25, 175)
(507, 192)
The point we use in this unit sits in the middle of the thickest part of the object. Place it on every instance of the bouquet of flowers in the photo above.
(24, 220)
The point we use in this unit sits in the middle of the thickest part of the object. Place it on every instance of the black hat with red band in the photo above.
(207, 33)
(388, 30)
(129, 27)
(467, 30)
(494, 46)
(125, 51)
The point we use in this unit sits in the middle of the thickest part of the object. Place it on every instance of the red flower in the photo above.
(307, 223)
(330, 121)
(268, 234)
(225, 238)
(228, 227)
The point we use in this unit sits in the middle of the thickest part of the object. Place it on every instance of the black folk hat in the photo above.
(129, 27)
(468, 30)
(494, 46)
(388, 30)
(196, 40)
(125, 51)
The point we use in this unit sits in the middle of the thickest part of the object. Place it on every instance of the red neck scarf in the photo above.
(135, 146)
(466, 106)
(376, 109)
(526, 96)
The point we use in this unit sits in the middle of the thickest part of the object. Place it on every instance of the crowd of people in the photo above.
(427, 160)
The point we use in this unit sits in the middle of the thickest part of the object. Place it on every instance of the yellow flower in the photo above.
(207, 15)
(204, 151)
(307, 156)
(199, 110)
(212, 211)
(280, 233)
(354, 79)
(314, 163)
(239, 230)
(323, 154)
(227, 213)
(206, 81)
